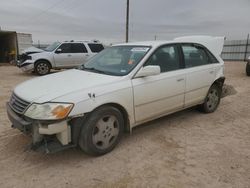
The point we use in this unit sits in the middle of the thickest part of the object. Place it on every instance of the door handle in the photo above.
(69, 55)
(181, 79)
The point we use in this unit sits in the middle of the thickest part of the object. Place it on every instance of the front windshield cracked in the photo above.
(116, 60)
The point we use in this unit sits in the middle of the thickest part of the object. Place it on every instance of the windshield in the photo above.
(52, 47)
(117, 60)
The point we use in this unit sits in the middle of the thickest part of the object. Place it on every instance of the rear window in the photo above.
(195, 55)
(95, 48)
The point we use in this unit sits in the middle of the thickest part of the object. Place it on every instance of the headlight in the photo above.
(29, 57)
(49, 111)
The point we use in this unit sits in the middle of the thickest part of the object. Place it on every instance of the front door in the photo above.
(157, 95)
(64, 58)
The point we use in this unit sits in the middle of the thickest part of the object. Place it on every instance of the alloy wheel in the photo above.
(105, 132)
(42, 68)
(212, 99)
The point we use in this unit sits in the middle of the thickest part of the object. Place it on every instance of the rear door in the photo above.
(200, 73)
(157, 95)
(79, 53)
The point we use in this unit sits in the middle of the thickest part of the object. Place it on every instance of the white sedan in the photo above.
(121, 87)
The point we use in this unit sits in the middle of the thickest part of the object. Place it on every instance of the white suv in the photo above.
(121, 87)
(60, 56)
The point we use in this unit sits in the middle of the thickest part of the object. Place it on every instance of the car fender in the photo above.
(46, 56)
(120, 94)
(42, 59)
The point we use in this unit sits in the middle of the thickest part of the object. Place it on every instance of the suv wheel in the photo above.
(101, 131)
(212, 100)
(248, 69)
(42, 68)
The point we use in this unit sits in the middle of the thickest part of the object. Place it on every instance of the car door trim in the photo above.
(163, 98)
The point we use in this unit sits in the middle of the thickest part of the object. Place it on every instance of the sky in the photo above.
(104, 20)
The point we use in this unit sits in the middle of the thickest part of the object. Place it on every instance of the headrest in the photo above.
(194, 55)
(163, 55)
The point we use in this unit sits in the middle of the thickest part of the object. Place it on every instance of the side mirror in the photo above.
(150, 70)
(58, 51)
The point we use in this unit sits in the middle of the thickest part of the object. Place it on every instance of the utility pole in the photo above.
(127, 22)
(245, 58)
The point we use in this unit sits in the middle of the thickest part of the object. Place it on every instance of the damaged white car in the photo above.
(121, 87)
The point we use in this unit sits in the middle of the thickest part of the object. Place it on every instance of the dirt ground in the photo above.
(186, 149)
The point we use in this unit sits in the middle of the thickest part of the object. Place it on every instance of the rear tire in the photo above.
(101, 131)
(248, 69)
(42, 68)
(212, 99)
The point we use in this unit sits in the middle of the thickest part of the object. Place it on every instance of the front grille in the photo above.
(17, 104)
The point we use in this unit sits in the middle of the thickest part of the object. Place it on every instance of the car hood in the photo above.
(31, 49)
(42, 54)
(47, 88)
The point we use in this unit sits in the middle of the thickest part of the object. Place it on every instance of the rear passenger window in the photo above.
(195, 56)
(212, 58)
(78, 48)
(95, 48)
(166, 57)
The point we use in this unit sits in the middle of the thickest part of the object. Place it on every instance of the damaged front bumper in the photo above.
(46, 136)
(26, 66)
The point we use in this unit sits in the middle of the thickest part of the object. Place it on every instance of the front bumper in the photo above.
(26, 66)
(42, 133)
(17, 121)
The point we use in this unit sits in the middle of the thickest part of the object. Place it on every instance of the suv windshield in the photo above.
(52, 47)
(117, 60)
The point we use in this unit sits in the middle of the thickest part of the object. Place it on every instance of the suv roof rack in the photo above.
(88, 41)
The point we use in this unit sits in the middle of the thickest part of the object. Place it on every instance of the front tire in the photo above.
(212, 100)
(248, 69)
(42, 68)
(101, 131)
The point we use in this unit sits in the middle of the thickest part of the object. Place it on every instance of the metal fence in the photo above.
(236, 50)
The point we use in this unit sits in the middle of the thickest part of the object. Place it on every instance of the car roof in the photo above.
(146, 43)
(89, 42)
(214, 44)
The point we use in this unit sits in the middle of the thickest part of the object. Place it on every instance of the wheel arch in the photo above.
(123, 112)
(37, 61)
(78, 122)
(219, 81)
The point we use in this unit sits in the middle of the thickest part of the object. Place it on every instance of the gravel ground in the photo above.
(186, 149)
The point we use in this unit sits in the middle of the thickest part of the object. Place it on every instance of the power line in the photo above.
(47, 9)
(127, 21)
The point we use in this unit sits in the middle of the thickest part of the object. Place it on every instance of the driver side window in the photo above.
(66, 48)
(166, 57)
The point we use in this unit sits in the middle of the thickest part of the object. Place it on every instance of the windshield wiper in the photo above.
(92, 69)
